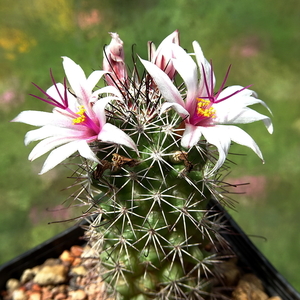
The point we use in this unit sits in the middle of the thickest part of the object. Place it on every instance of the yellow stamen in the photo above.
(81, 117)
(204, 109)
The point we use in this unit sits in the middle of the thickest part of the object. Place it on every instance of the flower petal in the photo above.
(99, 109)
(165, 85)
(113, 134)
(41, 118)
(243, 98)
(110, 90)
(85, 151)
(58, 155)
(54, 131)
(187, 69)
(242, 116)
(94, 78)
(41, 133)
(78, 82)
(219, 137)
(162, 56)
(57, 91)
(209, 75)
(46, 145)
(191, 135)
(181, 110)
(235, 88)
(75, 75)
(241, 137)
(172, 38)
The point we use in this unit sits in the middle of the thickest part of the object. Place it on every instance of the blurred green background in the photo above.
(261, 39)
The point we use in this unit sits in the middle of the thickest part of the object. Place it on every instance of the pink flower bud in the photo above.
(162, 56)
(113, 62)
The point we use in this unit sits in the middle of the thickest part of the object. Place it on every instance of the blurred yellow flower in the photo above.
(14, 41)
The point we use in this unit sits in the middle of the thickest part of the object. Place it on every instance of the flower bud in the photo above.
(162, 56)
(113, 62)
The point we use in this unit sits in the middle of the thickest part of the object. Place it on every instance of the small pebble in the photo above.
(253, 280)
(60, 289)
(94, 289)
(76, 251)
(19, 295)
(35, 287)
(51, 275)
(78, 295)
(80, 271)
(77, 261)
(60, 296)
(249, 288)
(67, 257)
(46, 293)
(34, 296)
(12, 284)
(27, 275)
(230, 272)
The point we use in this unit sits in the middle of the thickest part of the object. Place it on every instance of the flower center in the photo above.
(81, 117)
(204, 108)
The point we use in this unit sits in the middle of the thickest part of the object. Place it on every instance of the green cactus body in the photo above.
(151, 209)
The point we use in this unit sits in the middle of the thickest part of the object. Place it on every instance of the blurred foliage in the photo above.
(261, 40)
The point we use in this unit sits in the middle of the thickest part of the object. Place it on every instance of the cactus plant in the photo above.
(147, 174)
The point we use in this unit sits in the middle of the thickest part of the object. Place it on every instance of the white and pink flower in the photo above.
(203, 111)
(77, 120)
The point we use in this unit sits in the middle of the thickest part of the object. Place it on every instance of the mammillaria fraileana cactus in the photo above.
(149, 164)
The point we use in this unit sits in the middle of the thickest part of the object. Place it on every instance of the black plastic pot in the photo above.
(246, 251)
(252, 258)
